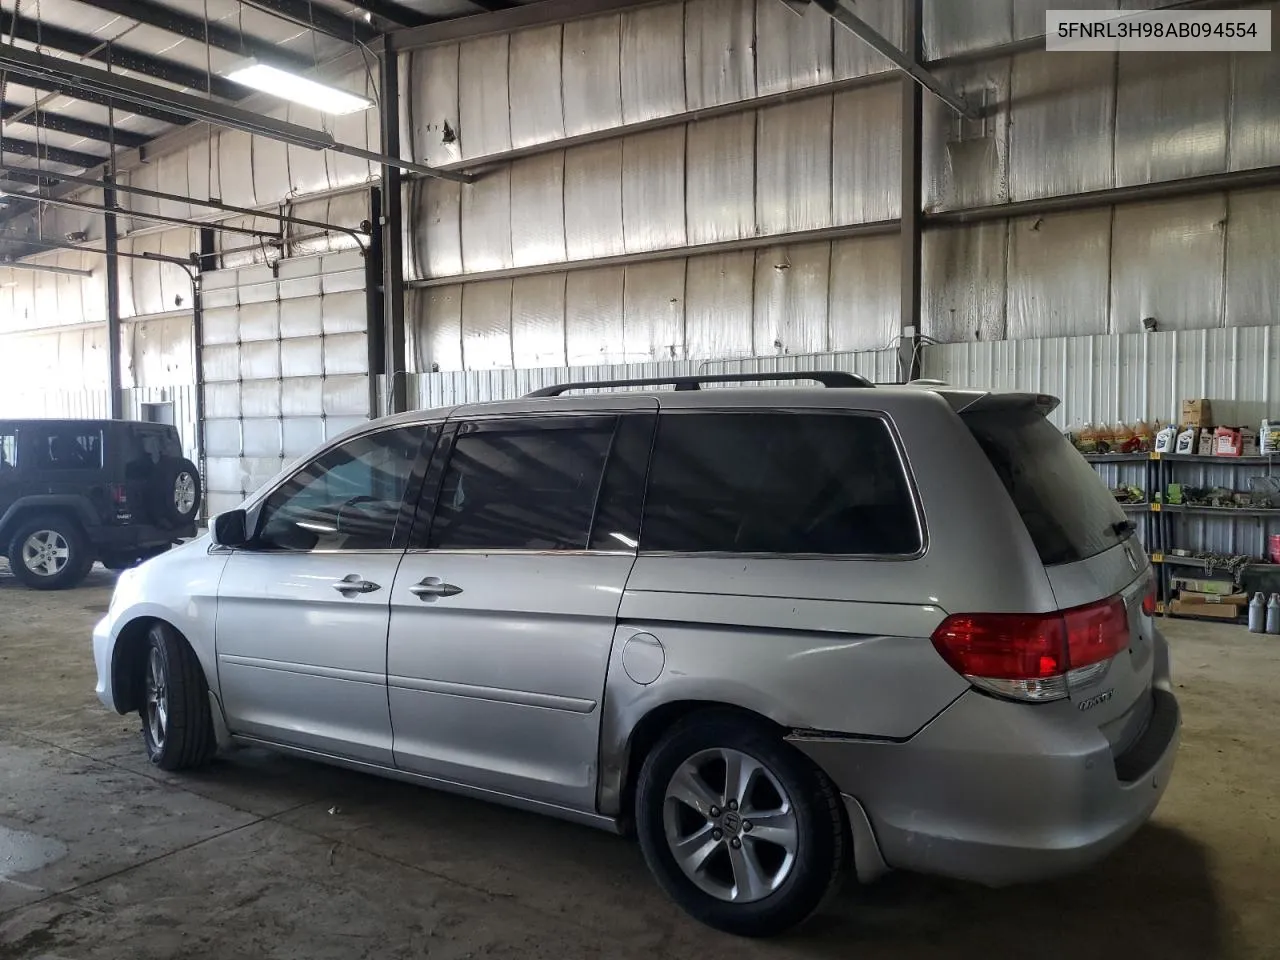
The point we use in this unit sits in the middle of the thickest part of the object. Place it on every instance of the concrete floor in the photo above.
(263, 856)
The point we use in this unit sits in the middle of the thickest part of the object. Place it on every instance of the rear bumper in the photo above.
(999, 793)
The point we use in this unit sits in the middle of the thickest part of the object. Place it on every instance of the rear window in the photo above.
(1067, 509)
(783, 483)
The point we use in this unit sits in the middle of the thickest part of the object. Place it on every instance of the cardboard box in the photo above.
(1240, 599)
(1205, 447)
(1220, 588)
(1197, 413)
(1218, 611)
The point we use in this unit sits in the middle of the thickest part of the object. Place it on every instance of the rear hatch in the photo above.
(1097, 567)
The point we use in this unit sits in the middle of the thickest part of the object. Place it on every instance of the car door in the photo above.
(503, 612)
(301, 631)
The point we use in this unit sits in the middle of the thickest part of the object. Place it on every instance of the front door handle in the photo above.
(353, 584)
(431, 589)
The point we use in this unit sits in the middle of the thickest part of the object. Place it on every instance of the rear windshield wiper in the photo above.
(1121, 527)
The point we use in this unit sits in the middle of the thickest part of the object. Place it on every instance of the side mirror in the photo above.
(231, 529)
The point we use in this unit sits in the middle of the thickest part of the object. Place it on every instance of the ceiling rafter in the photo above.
(67, 90)
(116, 55)
(194, 28)
(72, 126)
(393, 12)
(316, 17)
(72, 158)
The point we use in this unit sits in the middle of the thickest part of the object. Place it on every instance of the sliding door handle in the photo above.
(433, 588)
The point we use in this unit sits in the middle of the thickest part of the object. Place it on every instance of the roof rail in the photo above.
(828, 378)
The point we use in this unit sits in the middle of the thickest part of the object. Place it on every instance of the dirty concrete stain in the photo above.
(22, 852)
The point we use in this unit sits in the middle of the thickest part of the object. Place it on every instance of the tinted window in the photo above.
(346, 499)
(1067, 509)
(778, 483)
(617, 524)
(528, 485)
(8, 448)
(67, 448)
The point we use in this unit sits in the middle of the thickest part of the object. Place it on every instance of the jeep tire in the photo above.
(50, 552)
(174, 492)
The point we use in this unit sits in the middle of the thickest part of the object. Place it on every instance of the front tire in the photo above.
(177, 726)
(50, 552)
(738, 827)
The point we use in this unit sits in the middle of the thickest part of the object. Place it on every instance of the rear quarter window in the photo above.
(778, 483)
(1067, 509)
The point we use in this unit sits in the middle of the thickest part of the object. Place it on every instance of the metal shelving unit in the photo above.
(1158, 524)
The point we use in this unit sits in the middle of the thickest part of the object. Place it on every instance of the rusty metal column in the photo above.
(912, 196)
(115, 390)
(392, 235)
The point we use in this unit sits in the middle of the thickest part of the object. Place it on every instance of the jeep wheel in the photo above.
(50, 552)
(175, 492)
(737, 826)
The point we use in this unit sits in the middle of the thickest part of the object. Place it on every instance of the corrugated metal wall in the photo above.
(705, 214)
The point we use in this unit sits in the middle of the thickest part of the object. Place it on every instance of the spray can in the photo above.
(1257, 613)
(1273, 614)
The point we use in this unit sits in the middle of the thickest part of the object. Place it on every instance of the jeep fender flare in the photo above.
(40, 503)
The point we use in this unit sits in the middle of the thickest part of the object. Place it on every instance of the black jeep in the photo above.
(76, 491)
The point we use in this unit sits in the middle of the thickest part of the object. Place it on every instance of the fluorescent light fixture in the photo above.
(47, 268)
(296, 89)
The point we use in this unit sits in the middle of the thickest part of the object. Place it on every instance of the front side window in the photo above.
(348, 498)
(778, 482)
(68, 448)
(522, 485)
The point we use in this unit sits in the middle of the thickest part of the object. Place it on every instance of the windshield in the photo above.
(1068, 510)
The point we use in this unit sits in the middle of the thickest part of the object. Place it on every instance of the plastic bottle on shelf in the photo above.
(1257, 614)
(1273, 614)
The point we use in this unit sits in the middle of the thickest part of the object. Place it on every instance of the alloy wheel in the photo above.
(46, 552)
(730, 825)
(157, 694)
(184, 493)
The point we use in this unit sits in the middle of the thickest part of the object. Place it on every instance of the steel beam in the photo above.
(394, 13)
(842, 12)
(187, 265)
(197, 28)
(111, 211)
(93, 48)
(27, 64)
(115, 393)
(72, 158)
(22, 176)
(504, 17)
(306, 13)
(392, 233)
(1094, 199)
(70, 125)
(375, 309)
(911, 193)
(66, 90)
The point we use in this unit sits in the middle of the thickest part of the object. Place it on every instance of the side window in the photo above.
(8, 448)
(522, 485)
(788, 483)
(67, 448)
(349, 497)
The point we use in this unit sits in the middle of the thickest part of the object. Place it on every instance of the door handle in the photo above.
(353, 584)
(431, 589)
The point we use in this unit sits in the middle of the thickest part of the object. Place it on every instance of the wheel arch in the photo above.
(653, 726)
(72, 508)
(128, 657)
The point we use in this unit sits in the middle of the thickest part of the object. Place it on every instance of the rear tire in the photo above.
(759, 829)
(50, 552)
(177, 725)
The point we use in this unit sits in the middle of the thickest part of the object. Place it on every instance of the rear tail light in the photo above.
(1149, 599)
(1034, 656)
(119, 495)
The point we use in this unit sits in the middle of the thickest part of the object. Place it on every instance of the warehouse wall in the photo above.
(736, 151)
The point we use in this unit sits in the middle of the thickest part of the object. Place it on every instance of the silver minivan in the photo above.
(776, 632)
